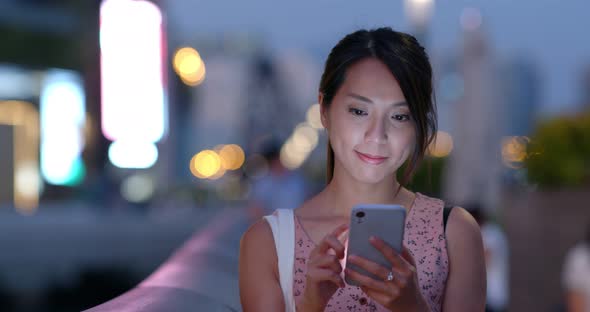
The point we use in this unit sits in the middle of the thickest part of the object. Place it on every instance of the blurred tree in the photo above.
(559, 152)
(428, 177)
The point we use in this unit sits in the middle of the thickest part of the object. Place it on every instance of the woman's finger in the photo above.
(400, 277)
(331, 241)
(407, 255)
(385, 299)
(369, 266)
(329, 262)
(390, 254)
(368, 282)
(320, 274)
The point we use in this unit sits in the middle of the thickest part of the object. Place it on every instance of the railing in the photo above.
(201, 276)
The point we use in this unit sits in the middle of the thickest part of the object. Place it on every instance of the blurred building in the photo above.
(43, 63)
(519, 97)
(474, 167)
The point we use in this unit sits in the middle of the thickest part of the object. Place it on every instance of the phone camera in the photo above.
(360, 214)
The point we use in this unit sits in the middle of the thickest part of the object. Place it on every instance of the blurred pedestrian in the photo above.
(576, 276)
(495, 246)
(279, 187)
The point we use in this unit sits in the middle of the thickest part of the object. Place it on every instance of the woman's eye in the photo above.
(357, 112)
(401, 117)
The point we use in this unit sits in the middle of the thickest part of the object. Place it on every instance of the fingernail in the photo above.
(352, 258)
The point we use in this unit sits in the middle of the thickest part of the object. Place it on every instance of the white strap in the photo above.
(283, 230)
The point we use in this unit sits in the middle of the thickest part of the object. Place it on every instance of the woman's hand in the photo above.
(323, 272)
(402, 293)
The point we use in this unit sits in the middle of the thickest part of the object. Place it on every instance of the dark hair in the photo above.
(409, 64)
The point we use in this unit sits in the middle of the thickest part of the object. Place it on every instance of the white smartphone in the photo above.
(383, 221)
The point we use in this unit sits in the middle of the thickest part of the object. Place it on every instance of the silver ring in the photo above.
(390, 276)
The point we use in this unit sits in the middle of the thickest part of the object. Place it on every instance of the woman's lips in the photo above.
(370, 159)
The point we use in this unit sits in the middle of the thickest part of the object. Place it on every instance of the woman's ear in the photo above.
(323, 111)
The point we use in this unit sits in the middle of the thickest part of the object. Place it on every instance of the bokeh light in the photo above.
(189, 66)
(514, 151)
(205, 164)
(62, 110)
(133, 154)
(291, 156)
(232, 157)
(305, 138)
(442, 145)
(24, 117)
(138, 188)
(132, 71)
(313, 116)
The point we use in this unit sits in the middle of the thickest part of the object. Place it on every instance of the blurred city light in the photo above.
(291, 156)
(298, 147)
(442, 145)
(314, 117)
(213, 164)
(232, 157)
(132, 80)
(220, 173)
(206, 164)
(138, 188)
(305, 138)
(28, 183)
(25, 119)
(419, 11)
(62, 110)
(133, 154)
(514, 151)
(189, 66)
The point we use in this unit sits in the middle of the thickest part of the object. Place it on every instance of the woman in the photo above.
(376, 106)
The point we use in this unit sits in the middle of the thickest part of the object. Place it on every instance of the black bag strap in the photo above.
(446, 212)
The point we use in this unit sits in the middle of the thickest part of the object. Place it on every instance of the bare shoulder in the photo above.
(258, 267)
(462, 226)
(258, 240)
(466, 283)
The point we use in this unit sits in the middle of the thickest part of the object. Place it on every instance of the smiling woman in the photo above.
(376, 105)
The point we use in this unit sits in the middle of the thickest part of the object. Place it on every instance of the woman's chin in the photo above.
(366, 178)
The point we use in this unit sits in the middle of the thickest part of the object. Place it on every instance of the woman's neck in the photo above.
(343, 193)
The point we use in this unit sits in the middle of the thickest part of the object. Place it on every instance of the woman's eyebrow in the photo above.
(367, 100)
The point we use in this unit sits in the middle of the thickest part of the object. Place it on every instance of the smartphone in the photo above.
(383, 221)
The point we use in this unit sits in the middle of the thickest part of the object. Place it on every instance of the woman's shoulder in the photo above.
(257, 244)
(258, 233)
(463, 233)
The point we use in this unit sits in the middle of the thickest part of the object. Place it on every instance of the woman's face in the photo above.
(369, 123)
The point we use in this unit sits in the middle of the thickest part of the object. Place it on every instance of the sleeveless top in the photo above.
(424, 238)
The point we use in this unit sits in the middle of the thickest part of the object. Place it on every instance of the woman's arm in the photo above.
(466, 283)
(260, 288)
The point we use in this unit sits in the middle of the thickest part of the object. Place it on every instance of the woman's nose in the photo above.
(376, 132)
